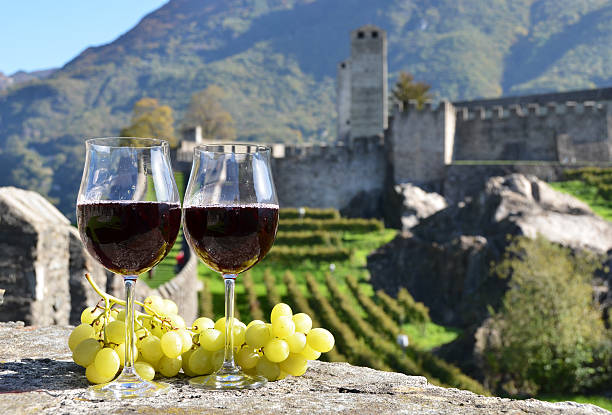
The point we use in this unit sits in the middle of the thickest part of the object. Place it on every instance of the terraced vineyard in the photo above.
(299, 271)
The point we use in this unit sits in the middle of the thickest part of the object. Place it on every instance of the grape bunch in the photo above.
(273, 350)
(164, 345)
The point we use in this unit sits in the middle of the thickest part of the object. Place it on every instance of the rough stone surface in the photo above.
(444, 262)
(34, 258)
(37, 377)
(413, 204)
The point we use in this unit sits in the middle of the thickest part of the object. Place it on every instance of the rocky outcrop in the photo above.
(38, 378)
(34, 259)
(445, 261)
(413, 204)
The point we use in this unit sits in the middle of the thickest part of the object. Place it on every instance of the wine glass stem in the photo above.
(130, 283)
(228, 360)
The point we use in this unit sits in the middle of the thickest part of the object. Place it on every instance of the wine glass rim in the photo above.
(236, 148)
(114, 142)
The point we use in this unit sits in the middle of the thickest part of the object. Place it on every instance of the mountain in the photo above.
(23, 76)
(276, 59)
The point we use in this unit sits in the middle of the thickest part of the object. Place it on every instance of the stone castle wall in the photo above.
(566, 132)
(329, 176)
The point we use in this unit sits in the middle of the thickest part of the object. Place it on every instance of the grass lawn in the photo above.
(588, 194)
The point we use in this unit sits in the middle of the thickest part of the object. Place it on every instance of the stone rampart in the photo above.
(419, 142)
(329, 176)
(566, 132)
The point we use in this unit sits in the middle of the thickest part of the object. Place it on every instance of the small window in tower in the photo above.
(343, 65)
(374, 34)
(360, 35)
(348, 122)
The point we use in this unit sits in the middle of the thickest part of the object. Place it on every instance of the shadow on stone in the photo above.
(30, 375)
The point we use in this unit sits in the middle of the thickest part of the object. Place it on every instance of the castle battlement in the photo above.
(535, 109)
(360, 145)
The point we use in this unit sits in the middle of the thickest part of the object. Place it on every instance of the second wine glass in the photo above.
(230, 217)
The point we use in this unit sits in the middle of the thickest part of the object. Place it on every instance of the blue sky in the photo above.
(41, 34)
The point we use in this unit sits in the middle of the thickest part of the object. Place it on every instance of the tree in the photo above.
(548, 335)
(205, 110)
(149, 119)
(407, 89)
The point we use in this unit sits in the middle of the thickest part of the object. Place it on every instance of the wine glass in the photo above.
(230, 217)
(129, 215)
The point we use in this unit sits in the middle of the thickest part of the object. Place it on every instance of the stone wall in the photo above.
(419, 142)
(565, 132)
(34, 259)
(330, 176)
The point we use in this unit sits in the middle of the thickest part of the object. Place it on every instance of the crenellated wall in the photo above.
(566, 132)
(329, 176)
(419, 142)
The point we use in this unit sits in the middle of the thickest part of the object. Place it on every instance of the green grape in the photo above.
(121, 315)
(154, 304)
(296, 342)
(156, 329)
(90, 314)
(94, 377)
(171, 344)
(85, 353)
(239, 335)
(303, 322)
(107, 362)
(267, 369)
(276, 350)
(203, 323)
(220, 324)
(217, 359)
(309, 353)
(295, 364)
(283, 327)
(150, 349)
(320, 340)
(212, 340)
(280, 309)
(81, 332)
(200, 362)
(257, 335)
(185, 363)
(170, 367)
(176, 321)
(169, 307)
(254, 322)
(115, 332)
(247, 358)
(120, 349)
(282, 375)
(144, 370)
(186, 339)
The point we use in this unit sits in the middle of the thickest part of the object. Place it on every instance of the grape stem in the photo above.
(112, 299)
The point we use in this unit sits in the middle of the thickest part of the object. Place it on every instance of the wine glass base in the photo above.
(127, 389)
(228, 381)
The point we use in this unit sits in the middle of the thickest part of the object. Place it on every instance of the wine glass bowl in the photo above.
(128, 214)
(230, 218)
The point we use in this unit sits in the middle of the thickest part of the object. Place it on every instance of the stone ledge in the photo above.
(37, 376)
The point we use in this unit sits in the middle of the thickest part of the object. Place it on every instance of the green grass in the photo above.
(588, 194)
(601, 401)
(361, 244)
(429, 335)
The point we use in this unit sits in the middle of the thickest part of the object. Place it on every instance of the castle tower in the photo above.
(368, 82)
(343, 100)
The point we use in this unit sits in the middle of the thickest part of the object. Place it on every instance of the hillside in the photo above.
(277, 61)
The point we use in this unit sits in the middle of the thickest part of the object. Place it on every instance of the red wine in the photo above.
(128, 237)
(231, 239)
